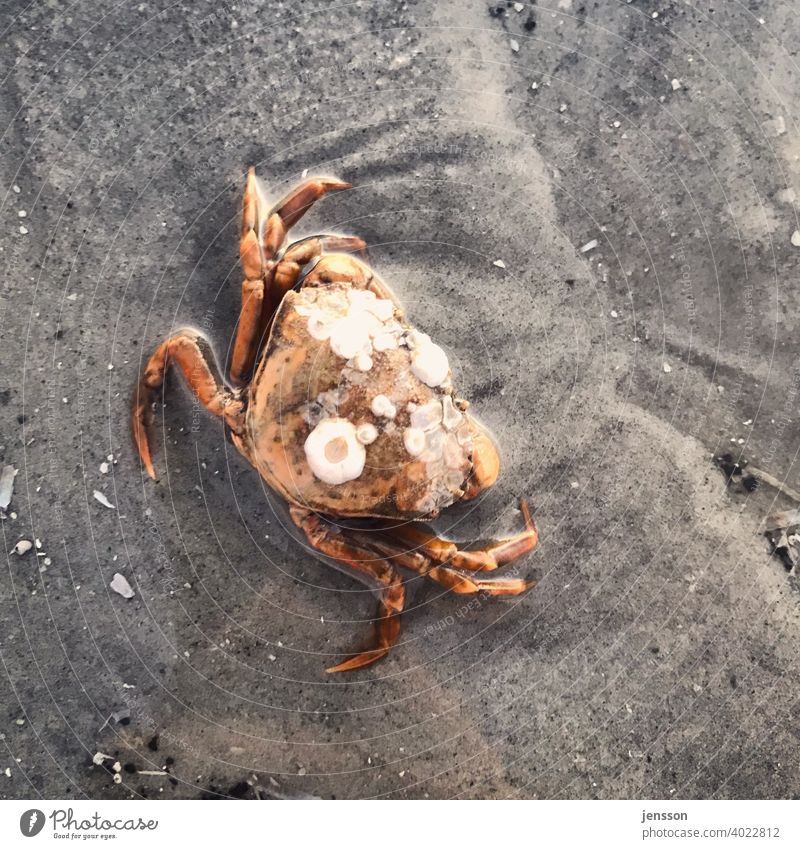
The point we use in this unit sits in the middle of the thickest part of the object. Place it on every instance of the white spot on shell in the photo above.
(429, 364)
(381, 308)
(414, 441)
(318, 326)
(384, 342)
(349, 336)
(362, 361)
(383, 407)
(366, 433)
(451, 418)
(333, 451)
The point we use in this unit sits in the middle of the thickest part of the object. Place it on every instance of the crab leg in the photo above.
(483, 559)
(297, 203)
(192, 353)
(298, 254)
(392, 597)
(448, 577)
(262, 236)
(266, 280)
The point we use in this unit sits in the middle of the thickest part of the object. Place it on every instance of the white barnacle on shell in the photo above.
(381, 308)
(382, 407)
(414, 441)
(429, 362)
(427, 416)
(334, 452)
(451, 417)
(362, 361)
(319, 326)
(366, 433)
(350, 335)
(385, 341)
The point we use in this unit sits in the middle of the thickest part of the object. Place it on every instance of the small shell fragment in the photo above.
(6, 486)
(98, 496)
(120, 585)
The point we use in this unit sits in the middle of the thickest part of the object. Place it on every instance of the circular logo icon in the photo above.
(31, 822)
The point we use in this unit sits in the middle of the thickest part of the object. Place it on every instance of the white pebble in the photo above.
(796, 238)
(676, 84)
(667, 368)
(23, 546)
(499, 263)
(119, 584)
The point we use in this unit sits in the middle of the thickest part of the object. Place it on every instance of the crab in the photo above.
(345, 409)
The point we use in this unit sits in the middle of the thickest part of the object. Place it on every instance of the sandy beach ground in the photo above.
(591, 207)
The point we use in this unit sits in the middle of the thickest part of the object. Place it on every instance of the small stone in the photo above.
(667, 368)
(514, 45)
(22, 213)
(23, 229)
(23, 546)
(589, 246)
(563, 107)
(796, 238)
(104, 468)
(499, 263)
(120, 585)
(676, 84)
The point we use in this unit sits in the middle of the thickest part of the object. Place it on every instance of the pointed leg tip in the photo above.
(358, 661)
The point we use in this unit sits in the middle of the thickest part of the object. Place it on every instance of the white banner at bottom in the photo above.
(389, 824)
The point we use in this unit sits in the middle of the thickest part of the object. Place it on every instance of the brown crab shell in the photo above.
(300, 380)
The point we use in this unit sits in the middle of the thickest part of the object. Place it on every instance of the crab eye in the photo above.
(333, 451)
